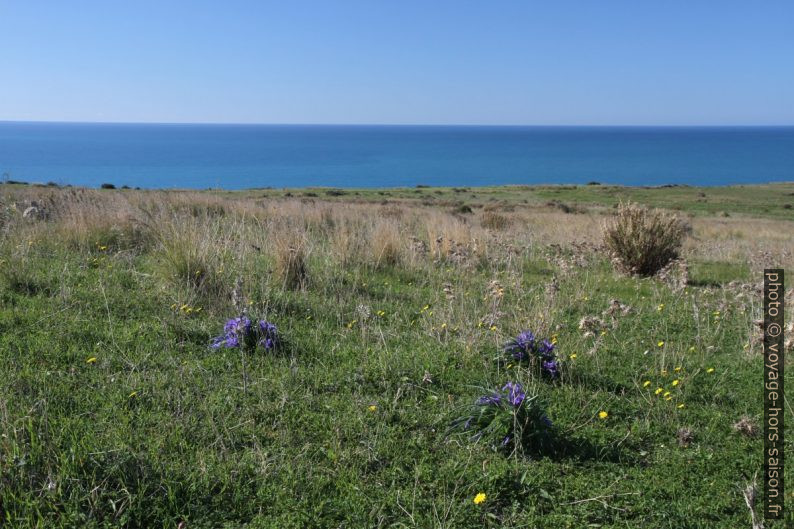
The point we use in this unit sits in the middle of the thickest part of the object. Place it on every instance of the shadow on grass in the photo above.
(559, 448)
(595, 382)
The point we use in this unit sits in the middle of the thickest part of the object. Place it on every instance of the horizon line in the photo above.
(328, 124)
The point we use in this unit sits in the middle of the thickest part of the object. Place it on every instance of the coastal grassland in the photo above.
(115, 412)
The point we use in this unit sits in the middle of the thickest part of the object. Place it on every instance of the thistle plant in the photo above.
(509, 419)
(537, 352)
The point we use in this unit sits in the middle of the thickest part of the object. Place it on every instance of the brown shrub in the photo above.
(494, 221)
(643, 241)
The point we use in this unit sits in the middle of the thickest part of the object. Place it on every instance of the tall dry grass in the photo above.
(201, 240)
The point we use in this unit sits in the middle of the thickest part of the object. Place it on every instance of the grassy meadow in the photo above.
(392, 307)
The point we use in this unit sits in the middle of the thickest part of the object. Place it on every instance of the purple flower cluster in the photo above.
(242, 332)
(527, 346)
(512, 393)
(515, 393)
(509, 417)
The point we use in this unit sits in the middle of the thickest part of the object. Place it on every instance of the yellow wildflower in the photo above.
(658, 390)
(677, 369)
(479, 498)
(646, 383)
(681, 406)
(661, 343)
(91, 360)
(573, 356)
(372, 407)
(666, 394)
(710, 370)
(603, 415)
(675, 382)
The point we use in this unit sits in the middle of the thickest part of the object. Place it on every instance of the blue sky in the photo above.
(431, 61)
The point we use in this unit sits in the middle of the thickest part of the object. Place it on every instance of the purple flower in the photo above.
(268, 335)
(239, 332)
(489, 400)
(516, 394)
(545, 348)
(506, 440)
(550, 367)
(522, 345)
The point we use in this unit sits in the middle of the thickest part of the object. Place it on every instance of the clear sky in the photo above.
(554, 62)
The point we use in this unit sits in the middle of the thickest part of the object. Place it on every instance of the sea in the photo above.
(350, 156)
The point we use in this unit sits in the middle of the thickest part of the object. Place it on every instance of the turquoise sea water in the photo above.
(245, 156)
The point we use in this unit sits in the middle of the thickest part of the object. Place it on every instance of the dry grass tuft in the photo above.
(747, 426)
(386, 245)
(642, 241)
(290, 265)
(494, 221)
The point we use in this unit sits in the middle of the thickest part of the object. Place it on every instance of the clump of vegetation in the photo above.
(386, 245)
(643, 241)
(193, 253)
(507, 419)
(290, 264)
(535, 351)
(494, 221)
(244, 334)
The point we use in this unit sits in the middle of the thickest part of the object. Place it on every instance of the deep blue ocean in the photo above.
(246, 156)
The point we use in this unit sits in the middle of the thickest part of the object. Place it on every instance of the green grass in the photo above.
(774, 201)
(160, 429)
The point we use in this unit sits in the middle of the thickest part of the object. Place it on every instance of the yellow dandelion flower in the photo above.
(91, 360)
(658, 390)
(493, 327)
(603, 415)
(692, 349)
(666, 394)
(573, 356)
(646, 383)
(132, 395)
(660, 308)
(372, 407)
(677, 369)
(661, 343)
(668, 398)
(443, 325)
(675, 382)
(681, 406)
(710, 370)
(479, 498)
